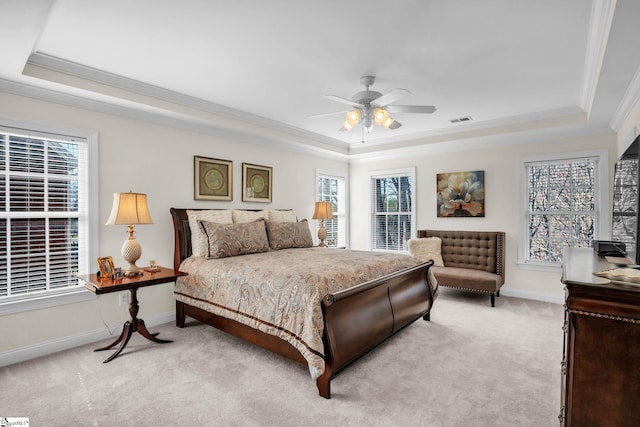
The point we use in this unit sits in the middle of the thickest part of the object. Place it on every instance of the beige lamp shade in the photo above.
(323, 210)
(129, 209)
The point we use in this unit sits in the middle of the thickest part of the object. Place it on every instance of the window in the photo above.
(331, 187)
(393, 219)
(625, 202)
(564, 197)
(44, 214)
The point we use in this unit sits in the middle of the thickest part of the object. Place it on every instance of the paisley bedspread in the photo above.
(279, 292)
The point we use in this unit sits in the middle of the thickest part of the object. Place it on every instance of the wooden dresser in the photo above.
(601, 358)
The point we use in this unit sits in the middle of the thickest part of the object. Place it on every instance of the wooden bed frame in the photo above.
(386, 305)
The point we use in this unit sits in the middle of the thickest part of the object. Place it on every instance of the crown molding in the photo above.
(280, 136)
(489, 141)
(524, 122)
(629, 101)
(83, 72)
(602, 12)
(386, 152)
(167, 119)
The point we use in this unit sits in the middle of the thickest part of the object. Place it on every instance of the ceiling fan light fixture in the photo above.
(380, 115)
(370, 107)
(394, 124)
(367, 124)
(388, 122)
(353, 117)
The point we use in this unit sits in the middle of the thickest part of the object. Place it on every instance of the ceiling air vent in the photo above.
(461, 119)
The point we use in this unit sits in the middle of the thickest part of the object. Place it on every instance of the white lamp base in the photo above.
(322, 234)
(131, 252)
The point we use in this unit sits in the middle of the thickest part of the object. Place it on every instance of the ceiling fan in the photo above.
(372, 107)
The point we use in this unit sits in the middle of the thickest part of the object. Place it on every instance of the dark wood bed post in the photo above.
(180, 315)
(387, 304)
(323, 383)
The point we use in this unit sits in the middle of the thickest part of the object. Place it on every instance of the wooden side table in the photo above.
(98, 285)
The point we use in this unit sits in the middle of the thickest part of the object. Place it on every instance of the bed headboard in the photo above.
(181, 236)
(182, 232)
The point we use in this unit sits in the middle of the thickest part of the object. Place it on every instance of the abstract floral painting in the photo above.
(461, 194)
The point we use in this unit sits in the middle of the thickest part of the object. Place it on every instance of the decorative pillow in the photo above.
(236, 239)
(427, 248)
(283, 235)
(240, 216)
(282, 216)
(199, 242)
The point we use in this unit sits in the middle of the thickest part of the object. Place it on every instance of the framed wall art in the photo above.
(460, 194)
(213, 179)
(256, 183)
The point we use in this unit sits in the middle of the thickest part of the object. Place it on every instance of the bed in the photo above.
(297, 301)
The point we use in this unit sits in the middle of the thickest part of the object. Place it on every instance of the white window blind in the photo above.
(331, 188)
(393, 219)
(44, 224)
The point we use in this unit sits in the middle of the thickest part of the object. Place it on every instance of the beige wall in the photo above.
(500, 164)
(158, 161)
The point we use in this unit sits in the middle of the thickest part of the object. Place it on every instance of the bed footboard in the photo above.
(362, 317)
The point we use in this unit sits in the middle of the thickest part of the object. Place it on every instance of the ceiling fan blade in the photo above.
(395, 125)
(343, 100)
(315, 116)
(421, 109)
(390, 97)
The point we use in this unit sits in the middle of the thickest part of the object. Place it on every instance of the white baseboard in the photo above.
(517, 293)
(53, 346)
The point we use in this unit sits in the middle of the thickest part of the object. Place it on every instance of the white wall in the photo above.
(500, 164)
(158, 161)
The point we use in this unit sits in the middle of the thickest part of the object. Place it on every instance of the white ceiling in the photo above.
(263, 67)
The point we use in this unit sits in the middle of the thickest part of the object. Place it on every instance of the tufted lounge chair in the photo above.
(473, 260)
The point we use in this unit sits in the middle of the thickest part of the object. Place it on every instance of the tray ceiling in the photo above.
(512, 67)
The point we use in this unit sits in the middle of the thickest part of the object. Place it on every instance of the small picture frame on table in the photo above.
(213, 178)
(256, 183)
(106, 267)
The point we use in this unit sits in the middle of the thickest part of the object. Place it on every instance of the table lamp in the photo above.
(323, 210)
(130, 209)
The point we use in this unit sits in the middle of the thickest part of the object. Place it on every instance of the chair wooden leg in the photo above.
(493, 300)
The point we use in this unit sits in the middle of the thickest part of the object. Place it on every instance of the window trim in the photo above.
(57, 297)
(603, 203)
(386, 173)
(345, 177)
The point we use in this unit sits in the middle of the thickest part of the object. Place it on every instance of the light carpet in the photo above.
(472, 365)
